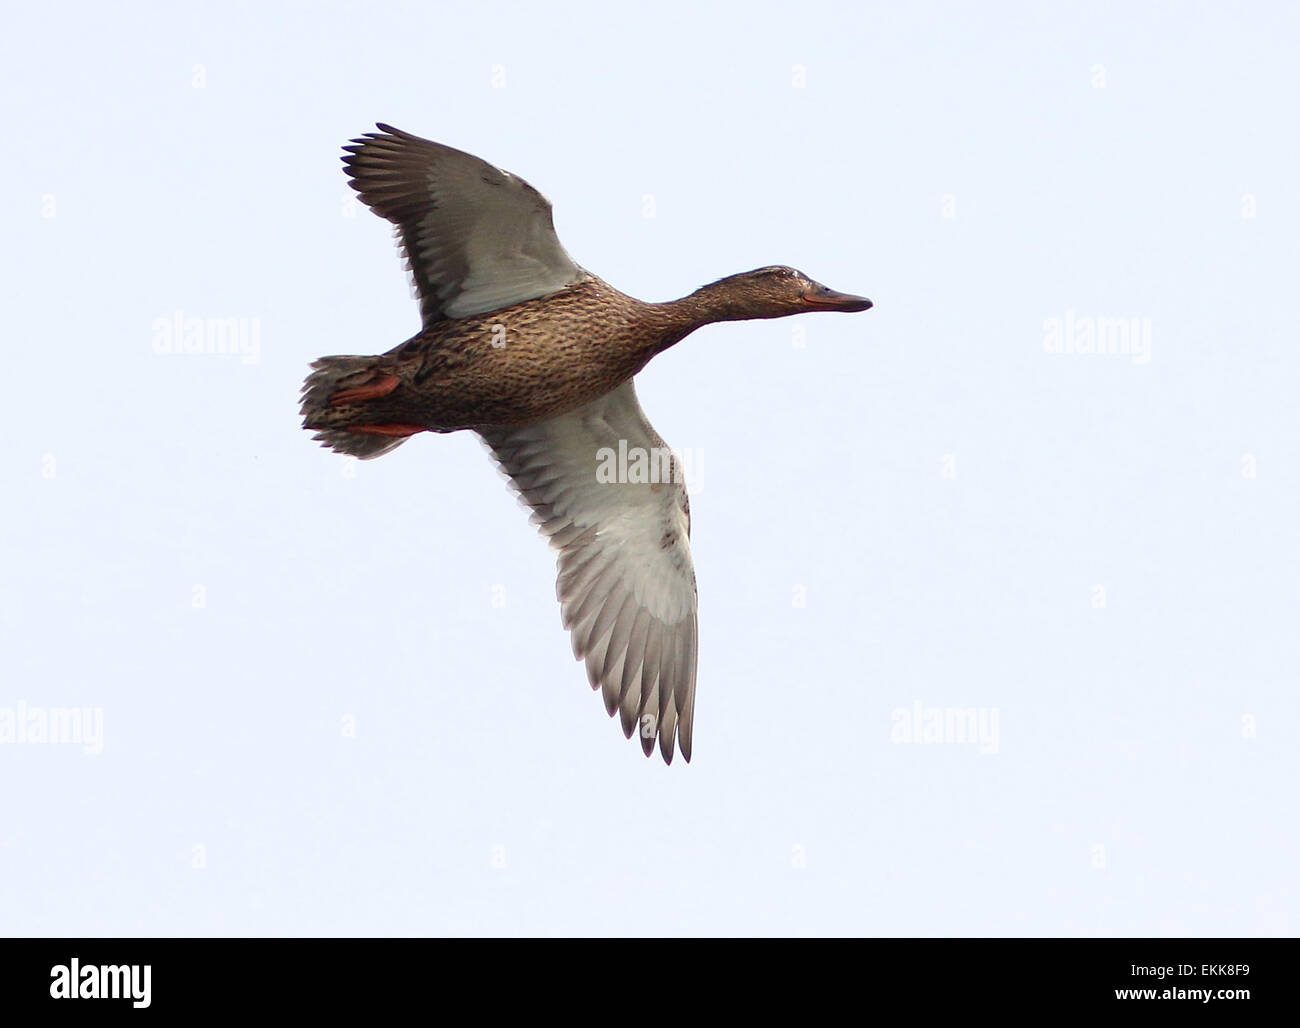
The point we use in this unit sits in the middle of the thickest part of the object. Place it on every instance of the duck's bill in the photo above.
(824, 299)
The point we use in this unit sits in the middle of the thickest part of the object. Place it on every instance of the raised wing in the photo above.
(475, 238)
(626, 581)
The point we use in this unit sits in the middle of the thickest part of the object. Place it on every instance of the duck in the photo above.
(536, 355)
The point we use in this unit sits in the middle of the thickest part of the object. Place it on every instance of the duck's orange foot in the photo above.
(396, 431)
(374, 391)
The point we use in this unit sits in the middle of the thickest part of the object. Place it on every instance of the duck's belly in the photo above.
(516, 366)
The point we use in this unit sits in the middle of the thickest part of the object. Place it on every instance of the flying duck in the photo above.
(521, 345)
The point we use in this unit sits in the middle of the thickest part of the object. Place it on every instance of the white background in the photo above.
(1101, 551)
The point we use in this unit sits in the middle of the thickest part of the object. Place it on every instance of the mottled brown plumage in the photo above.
(546, 356)
(528, 362)
(536, 354)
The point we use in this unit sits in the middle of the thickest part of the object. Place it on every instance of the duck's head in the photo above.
(775, 292)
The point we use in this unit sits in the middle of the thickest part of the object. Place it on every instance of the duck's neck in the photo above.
(714, 302)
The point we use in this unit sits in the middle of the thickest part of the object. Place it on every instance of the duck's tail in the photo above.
(329, 406)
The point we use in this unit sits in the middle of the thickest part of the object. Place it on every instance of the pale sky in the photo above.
(331, 698)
